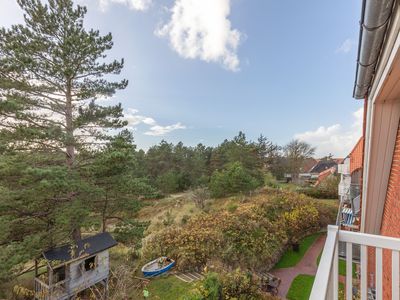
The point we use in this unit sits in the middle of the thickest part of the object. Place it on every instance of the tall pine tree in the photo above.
(52, 71)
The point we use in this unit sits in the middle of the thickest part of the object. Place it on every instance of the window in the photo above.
(59, 274)
(90, 263)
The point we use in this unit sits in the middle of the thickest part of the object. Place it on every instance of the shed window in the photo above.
(59, 274)
(90, 263)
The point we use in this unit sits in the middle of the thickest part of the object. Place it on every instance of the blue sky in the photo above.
(201, 70)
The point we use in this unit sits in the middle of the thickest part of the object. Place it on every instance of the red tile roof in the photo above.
(308, 164)
(324, 174)
(356, 156)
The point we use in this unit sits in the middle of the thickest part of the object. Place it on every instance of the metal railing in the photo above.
(326, 284)
(349, 191)
(344, 169)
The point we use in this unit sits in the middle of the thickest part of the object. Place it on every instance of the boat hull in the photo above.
(151, 272)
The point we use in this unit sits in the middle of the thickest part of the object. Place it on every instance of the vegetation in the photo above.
(296, 152)
(301, 287)
(69, 167)
(168, 288)
(234, 179)
(327, 189)
(52, 73)
(251, 236)
(292, 257)
(230, 285)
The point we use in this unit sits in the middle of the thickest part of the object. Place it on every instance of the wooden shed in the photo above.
(73, 268)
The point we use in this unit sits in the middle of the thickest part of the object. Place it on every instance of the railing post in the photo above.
(326, 280)
(335, 271)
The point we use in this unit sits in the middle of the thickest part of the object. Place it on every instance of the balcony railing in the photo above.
(349, 191)
(54, 292)
(344, 169)
(326, 284)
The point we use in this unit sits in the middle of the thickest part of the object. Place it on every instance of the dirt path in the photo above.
(307, 265)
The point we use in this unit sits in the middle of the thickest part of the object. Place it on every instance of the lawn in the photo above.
(168, 288)
(291, 258)
(342, 266)
(301, 287)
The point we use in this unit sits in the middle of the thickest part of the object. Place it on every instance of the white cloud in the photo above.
(346, 46)
(140, 5)
(10, 13)
(155, 129)
(201, 29)
(158, 130)
(334, 139)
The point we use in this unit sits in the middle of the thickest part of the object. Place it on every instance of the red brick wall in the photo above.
(391, 216)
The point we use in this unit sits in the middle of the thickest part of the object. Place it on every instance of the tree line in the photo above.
(66, 161)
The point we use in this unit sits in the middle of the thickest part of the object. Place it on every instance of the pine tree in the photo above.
(118, 189)
(52, 72)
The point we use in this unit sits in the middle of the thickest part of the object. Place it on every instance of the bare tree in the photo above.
(296, 152)
(199, 197)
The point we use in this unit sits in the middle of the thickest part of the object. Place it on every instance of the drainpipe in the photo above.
(375, 17)
(364, 129)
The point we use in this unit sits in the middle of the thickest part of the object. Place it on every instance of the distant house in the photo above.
(315, 171)
(71, 269)
(324, 175)
(324, 165)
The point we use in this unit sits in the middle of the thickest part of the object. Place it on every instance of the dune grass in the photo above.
(292, 258)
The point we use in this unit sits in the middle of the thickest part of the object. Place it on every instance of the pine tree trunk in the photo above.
(69, 128)
(104, 214)
(70, 145)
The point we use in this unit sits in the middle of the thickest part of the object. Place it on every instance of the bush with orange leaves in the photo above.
(253, 236)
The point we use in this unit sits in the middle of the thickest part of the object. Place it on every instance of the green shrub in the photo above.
(236, 285)
(212, 286)
(327, 212)
(239, 285)
(169, 182)
(316, 193)
(234, 179)
(231, 207)
(130, 232)
(254, 235)
(327, 189)
(168, 220)
(185, 219)
(270, 181)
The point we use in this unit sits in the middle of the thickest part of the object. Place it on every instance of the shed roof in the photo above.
(87, 246)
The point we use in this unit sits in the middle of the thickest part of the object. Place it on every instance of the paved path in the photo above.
(307, 265)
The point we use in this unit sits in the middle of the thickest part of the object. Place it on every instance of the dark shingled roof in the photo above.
(323, 165)
(86, 246)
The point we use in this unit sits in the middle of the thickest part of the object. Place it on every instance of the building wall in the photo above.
(81, 279)
(391, 215)
(356, 156)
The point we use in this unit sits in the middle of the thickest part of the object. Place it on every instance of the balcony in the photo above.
(326, 284)
(56, 291)
(349, 191)
(344, 169)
